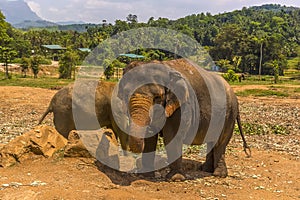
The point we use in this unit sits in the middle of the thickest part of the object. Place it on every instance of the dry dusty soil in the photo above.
(271, 173)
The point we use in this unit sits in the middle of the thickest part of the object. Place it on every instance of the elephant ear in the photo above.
(176, 94)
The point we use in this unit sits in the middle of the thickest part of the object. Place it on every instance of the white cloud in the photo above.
(52, 9)
(35, 7)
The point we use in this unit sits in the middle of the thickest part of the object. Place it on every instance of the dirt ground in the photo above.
(271, 173)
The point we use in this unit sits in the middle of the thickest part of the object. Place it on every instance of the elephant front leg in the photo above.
(173, 140)
(208, 166)
(148, 156)
(173, 147)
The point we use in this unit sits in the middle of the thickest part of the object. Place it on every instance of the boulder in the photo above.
(100, 144)
(42, 140)
(75, 147)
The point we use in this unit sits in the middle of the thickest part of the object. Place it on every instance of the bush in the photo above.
(111, 66)
(17, 60)
(25, 64)
(67, 65)
(230, 76)
(35, 64)
(45, 61)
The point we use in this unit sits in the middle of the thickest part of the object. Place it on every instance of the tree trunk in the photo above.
(260, 60)
(6, 70)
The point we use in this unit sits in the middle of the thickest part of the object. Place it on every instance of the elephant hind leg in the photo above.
(218, 151)
(63, 124)
(221, 169)
(215, 161)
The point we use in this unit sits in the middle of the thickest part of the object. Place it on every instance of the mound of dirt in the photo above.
(46, 141)
(45, 70)
(42, 140)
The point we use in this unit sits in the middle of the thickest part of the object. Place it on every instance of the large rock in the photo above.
(100, 144)
(75, 147)
(42, 140)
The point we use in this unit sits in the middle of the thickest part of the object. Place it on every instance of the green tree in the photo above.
(6, 55)
(228, 42)
(35, 62)
(6, 51)
(230, 76)
(132, 18)
(112, 67)
(260, 39)
(237, 62)
(25, 63)
(276, 71)
(225, 65)
(67, 65)
(3, 30)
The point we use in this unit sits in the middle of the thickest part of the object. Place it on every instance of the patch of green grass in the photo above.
(293, 62)
(279, 130)
(251, 129)
(261, 93)
(291, 77)
(254, 80)
(262, 129)
(44, 82)
(297, 90)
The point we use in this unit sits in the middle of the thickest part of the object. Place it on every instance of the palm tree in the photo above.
(260, 38)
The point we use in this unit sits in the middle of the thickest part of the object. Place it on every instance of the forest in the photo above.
(255, 40)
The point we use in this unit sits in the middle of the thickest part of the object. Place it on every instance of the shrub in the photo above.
(230, 76)
(35, 64)
(67, 65)
(45, 61)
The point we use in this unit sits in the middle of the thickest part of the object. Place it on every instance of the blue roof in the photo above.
(131, 55)
(54, 47)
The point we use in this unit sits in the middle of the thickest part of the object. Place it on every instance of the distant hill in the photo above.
(17, 11)
(70, 22)
(27, 24)
(19, 15)
(274, 7)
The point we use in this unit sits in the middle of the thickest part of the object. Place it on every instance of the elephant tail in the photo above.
(49, 110)
(245, 145)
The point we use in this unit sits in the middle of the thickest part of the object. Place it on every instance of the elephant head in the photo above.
(152, 93)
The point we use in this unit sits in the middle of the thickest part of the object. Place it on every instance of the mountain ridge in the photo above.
(20, 15)
(17, 11)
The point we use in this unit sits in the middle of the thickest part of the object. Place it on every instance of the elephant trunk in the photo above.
(139, 107)
(171, 107)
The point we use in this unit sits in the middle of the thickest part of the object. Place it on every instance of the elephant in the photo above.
(156, 109)
(62, 102)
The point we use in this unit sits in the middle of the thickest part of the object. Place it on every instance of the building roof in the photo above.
(84, 49)
(131, 55)
(54, 47)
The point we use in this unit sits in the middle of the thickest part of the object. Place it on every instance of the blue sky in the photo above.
(95, 11)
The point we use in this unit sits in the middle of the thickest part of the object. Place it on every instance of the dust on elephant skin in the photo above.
(210, 116)
(61, 106)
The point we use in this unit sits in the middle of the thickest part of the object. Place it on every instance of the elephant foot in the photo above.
(175, 176)
(146, 174)
(222, 173)
(221, 169)
(206, 168)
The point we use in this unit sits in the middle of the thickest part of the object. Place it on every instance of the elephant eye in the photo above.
(157, 100)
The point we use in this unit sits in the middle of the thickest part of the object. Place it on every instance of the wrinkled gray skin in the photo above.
(61, 106)
(146, 96)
